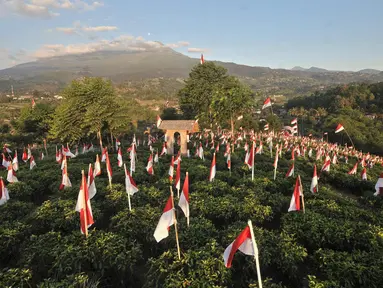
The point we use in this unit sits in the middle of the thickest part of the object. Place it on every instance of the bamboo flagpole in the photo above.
(84, 203)
(126, 175)
(175, 223)
(256, 254)
(252, 166)
(303, 198)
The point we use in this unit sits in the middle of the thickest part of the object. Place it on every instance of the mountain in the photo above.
(138, 68)
(298, 68)
(370, 71)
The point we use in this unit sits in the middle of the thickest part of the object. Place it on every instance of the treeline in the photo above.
(358, 107)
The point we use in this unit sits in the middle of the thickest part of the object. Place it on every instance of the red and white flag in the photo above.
(364, 174)
(25, 155)
(159, 120)
(84, 208)
(242, 243)
(97, 167)
(4, 195)
(130, 184)
(149, 166)
(228, 161)
(379, 186)
(294, 121)
(171, 170)
(119, 157)
(339, 128)
(250, 158)
(108, 168)
(354, 169)
(11, 176)
(103, 154)
(32, 163)
(15, 162)
(295, 203)
(91, 184)
(267, 103)
(184, 198)
(291, 171)
(314, 181)
(202, 60)
(166, 221)
(178, 177)
(33, 103)
(266, 127)
(65, 182)
(326, 166)
(212, 169)
(6, 163)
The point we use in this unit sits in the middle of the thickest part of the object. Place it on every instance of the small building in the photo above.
(183, 127)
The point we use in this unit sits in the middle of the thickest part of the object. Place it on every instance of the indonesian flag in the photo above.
(163, 151)
(178, 177)
(379, 186)
(326, 166)
(91, 184)
(291, 171)
(29, 152)
(149, 166)
(250, 159)
(259, 149)
(42, 156)
(200, 152)
(228, 161)
(294, 121)
(130, 185)
(364, 174)
(33, 103)
(64, 162)
(166, 221)
(6, 149)
(108, 168)
(202, 60)
(354, 169)
(267, 103)
(103, 154)
(84, 149)
(15, 162)
(67, 152)
(266, 127)
(184, 198)
(58, 156)
(295, 203)
(11, 176)
(119, 157)
(118, 143)
(339, 128)
(4, 196)
(314, 181)
(6, 163)
(171, 170)
(212, 169)
(84, 208)
(32, 163)
(25, 156)
(65, 182)
(156, 158)
(159, 120)
(178, 158)
(97, 167)
(242, 243)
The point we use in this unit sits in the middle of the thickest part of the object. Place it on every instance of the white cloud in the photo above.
(99, 28)
(123, 42)
(46, 8)
(66, 30)
(196, 50)
(178, 44)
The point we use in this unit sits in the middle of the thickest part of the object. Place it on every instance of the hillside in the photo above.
(51, 74)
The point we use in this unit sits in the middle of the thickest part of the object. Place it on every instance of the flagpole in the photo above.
(256, 253)
(129, 203)
(275, 164)
(252, 166)
(303, 198)
(349, 138)
(84, 203)
(187, 218)
(175, 224)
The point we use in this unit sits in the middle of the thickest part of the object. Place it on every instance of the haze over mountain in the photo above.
(164, 62)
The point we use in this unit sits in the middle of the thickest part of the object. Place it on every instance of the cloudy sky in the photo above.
(333, 34)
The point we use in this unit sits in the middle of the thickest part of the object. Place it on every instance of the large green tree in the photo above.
(89, 105)
(197, 95)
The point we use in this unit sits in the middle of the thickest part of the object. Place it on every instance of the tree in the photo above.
(170, 114)
(195, 98)
(88, 107)
(231, 99)
(35, 120)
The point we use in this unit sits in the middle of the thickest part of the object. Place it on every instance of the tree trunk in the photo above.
(100, 137)
(111, 138)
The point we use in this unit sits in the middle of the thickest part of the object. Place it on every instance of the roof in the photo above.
(189, 125)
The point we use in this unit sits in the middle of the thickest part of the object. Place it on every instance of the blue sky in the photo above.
(336, 34)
